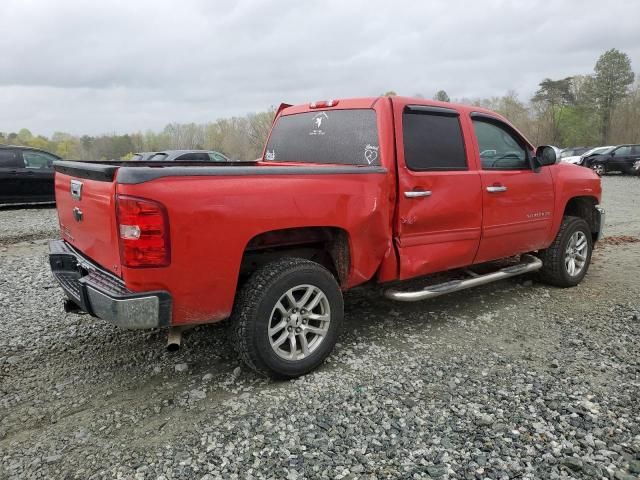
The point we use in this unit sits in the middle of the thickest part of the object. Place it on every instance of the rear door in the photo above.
(517, 203)
(438, 223)
(38, 175)
(11, 165)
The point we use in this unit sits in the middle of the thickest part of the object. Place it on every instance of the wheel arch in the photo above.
(585, 208)
(327, 245)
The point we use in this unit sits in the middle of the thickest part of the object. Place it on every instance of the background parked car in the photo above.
(26, 175)
(142, 156)
(572, 155)
(623, 158)
(586, 157)
(185, 155)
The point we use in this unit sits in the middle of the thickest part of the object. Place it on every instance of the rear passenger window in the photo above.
(38, 160)
(432, 140)
(11, 159)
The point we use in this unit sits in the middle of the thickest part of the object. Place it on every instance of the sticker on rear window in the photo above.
(270, 155)
(317, 123)
(370, 153)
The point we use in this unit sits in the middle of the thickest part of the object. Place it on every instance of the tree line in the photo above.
(237, 137)
(600, 108)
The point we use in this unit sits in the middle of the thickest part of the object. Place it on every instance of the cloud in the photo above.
(122, 66)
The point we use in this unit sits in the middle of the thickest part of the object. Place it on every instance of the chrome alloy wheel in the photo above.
(299, 322)
(598, 168)
(575, 257)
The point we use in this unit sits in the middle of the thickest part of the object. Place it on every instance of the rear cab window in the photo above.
(342, 137)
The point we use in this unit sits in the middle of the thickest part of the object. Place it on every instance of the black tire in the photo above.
(255, 305)
(554, 270)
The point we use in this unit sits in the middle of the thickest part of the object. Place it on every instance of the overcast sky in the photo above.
(122, 66)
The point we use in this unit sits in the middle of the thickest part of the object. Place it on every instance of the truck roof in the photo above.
(369, 102)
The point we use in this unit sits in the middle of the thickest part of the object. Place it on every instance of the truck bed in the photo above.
(214, 214)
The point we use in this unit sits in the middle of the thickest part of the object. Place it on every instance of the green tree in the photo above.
(442, 96)
(553, 97)
(611, 80)
(25, 136)
(259, 126)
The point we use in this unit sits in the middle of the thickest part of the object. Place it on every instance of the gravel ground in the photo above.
(510, 380)
(21, 224)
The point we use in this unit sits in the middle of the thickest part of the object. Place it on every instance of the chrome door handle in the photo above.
(418, 193)
(496, 188)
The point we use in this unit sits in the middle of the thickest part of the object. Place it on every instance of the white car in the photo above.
(572, 155)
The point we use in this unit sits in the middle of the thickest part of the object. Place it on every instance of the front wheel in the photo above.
(599, 169)
(287, 318)
(566, 261)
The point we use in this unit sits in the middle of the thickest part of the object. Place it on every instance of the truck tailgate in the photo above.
(87, 218)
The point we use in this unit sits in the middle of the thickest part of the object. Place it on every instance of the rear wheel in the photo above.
(566, 261)
(287, 318)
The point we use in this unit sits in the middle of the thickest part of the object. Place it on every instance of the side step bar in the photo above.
(529, 264)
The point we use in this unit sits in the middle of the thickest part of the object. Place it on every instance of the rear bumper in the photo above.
(103, 295)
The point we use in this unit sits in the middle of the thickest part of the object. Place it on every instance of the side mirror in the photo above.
(546, 155)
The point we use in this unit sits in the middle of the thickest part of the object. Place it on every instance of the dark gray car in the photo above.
(181, 156)
(26, 175)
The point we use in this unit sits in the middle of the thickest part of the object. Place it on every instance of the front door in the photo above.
(517, 203)
(623, 158)
(438, 222)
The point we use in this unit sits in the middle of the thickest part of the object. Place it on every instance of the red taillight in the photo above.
(143, 232)
(323, 104)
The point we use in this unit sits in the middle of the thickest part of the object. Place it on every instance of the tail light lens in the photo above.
(143, 232)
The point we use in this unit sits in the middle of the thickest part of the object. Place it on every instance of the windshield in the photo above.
(346, 137)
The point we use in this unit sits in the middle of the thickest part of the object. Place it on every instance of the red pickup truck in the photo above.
(376, 190)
